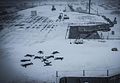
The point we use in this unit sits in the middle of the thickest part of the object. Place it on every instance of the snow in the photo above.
(93, 56)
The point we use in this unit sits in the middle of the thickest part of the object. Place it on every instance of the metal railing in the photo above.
(87, 73)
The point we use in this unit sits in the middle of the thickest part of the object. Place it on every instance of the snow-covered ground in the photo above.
(43, 32)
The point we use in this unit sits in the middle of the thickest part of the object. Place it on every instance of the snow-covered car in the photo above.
(65, 17)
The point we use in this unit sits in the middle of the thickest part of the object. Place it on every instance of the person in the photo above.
(60, 16)
(115, 21)
(53, 8)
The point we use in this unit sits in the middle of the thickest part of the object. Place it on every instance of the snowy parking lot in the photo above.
(29, 34)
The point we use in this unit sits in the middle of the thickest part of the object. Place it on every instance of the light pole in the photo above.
(89, 5)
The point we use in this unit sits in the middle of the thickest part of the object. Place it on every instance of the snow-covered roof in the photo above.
(85, 19)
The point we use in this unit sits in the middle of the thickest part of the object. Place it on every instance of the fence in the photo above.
(87, 73)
